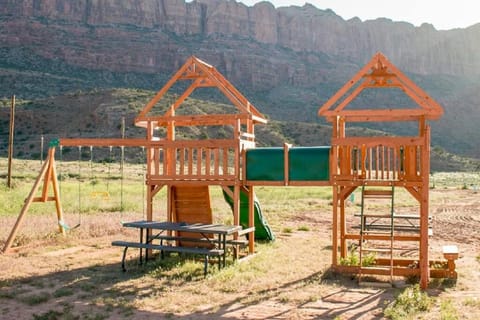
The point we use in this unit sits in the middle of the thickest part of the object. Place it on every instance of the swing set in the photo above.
(51, 187)
(95, 194)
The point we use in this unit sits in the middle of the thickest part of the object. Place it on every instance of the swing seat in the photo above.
(100, 194)
(66, 227)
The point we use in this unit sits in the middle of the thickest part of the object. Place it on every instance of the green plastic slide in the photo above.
(262, 229)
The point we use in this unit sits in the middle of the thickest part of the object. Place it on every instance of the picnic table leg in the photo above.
(162, 255)
(141, 241)
(205, 266)
(123, 259)
(224, 247)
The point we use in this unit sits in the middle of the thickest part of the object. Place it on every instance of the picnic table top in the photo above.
(182, 226)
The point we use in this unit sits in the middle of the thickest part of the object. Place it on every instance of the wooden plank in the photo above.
(207, 161)
(182, 161)
(190, 161)
(161, 159)
(383, 237)
(199, 160)
(377, 141)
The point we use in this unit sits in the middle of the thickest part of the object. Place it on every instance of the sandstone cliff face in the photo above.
(302, 29)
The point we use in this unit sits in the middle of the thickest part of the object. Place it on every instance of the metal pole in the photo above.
(41, 150)
(10, 142)
(122, 148)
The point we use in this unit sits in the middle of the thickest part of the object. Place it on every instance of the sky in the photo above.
(442, 14)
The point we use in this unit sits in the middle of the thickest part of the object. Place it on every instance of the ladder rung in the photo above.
(374, 215)
(377, 250)
(377, 193)
(375, 284)
(376, 232)
(395, 227)
(382, 268)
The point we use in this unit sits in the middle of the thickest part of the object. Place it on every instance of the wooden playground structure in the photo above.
(376, 165)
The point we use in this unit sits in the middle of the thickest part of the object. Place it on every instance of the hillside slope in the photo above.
(101, 117)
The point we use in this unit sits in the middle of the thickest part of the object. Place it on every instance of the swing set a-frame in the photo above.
(375, 164)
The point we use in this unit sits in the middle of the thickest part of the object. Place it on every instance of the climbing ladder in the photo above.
(376, 231)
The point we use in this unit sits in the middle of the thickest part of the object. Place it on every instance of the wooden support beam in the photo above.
(10, 142)
(47, 175)
(251, 219)
(335, 226)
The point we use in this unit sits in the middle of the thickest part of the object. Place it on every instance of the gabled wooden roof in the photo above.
(201, 75)
(380, 73)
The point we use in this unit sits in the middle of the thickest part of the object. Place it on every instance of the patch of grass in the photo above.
(49, 315)
(287, 230)
(125, 305)
(303, 228)
(63, 292)
(7, 294)
(472, 302)
(448, 310)
(35, 298)
(96, 316)
(65, 314)
(87, 286)
(408, 303)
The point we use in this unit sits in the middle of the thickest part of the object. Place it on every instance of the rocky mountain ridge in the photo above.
(301, 29)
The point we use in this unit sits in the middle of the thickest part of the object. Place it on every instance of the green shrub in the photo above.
(352, 259)
(411, 301)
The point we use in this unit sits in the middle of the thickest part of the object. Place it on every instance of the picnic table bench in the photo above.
(211, 241)
(206, 252)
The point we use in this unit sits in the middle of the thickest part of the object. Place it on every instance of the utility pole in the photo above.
(10, 142)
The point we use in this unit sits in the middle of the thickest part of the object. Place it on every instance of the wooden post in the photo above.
(236, 204)
(10, 142)
(343, 247)
(47, 174)
(56, 190)
(335, 226)
(424, 204)
(251, 219)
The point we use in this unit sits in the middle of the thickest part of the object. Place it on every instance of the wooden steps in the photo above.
(377, 193)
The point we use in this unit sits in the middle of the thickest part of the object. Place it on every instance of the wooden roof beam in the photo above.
(164, 90)
(380, 73)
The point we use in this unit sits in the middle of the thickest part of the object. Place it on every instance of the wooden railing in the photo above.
(195, 160)
(384, 159)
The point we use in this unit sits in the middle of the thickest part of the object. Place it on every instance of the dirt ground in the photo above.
(79, 277)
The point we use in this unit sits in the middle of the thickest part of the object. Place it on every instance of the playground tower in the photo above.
(379, 165)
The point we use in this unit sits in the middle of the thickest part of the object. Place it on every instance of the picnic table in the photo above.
(209, 240)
